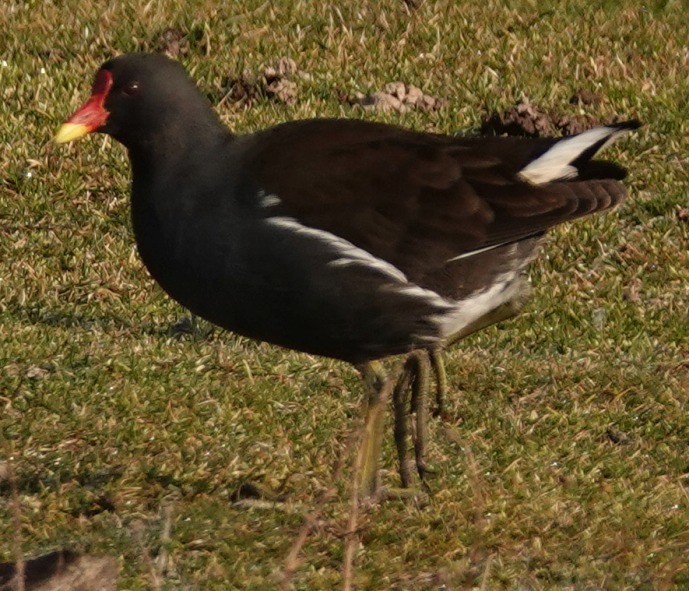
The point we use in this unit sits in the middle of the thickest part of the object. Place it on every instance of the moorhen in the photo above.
(339, 237)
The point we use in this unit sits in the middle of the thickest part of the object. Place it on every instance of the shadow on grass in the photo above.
(189, 324)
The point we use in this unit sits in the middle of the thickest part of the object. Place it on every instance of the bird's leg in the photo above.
(375, 380)
(419, 367)
(415, 375)
(399, 401)
(438, 367)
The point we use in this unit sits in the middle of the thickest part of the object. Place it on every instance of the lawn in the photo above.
(563, 458)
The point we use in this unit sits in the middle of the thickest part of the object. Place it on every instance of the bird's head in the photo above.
(135, 97)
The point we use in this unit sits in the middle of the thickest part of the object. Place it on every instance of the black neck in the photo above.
(175, 148)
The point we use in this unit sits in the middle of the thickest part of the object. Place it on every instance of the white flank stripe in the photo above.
(349, 253)
(267, 200)
(555, 164)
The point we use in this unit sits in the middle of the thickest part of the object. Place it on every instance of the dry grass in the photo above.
(563, 462)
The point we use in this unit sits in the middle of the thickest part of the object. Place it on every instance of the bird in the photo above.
(344, 238)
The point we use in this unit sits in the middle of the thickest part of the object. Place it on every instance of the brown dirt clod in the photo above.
(273, 82)
(173, 43)
(528, 119)
(396, 96)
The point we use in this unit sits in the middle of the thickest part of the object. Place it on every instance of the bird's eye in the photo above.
(131, 88)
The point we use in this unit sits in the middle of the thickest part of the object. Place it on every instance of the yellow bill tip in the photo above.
(69, 132)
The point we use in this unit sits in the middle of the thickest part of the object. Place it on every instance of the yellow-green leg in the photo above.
(375, 380)
(414, 374)
(401, 432)
(438, 367)
(419, 406)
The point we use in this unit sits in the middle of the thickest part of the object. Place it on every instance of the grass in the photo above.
(563, 463)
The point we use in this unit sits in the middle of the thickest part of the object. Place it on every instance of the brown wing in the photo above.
(413, 199)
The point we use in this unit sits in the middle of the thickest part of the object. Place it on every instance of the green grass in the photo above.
(564, 462)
